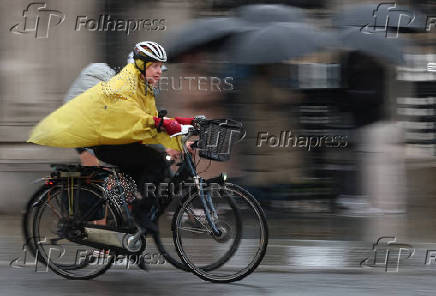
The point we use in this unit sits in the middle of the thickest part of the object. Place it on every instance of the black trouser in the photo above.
(143, 163)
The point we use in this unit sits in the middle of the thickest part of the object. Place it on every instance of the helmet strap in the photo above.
(140, 70)
(145, 60)
(142, 58)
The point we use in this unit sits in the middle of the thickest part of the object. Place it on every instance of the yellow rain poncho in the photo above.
(119, 111)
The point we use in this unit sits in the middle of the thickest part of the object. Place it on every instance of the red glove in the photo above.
(184, 120)
(171, 126)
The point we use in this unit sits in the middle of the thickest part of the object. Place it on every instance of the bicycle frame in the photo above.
(186, 171)
(205, 198)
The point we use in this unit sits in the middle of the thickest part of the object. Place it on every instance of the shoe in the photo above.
(146, 224)
(141, 211)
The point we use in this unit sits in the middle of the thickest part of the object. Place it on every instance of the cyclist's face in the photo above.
(153, 73)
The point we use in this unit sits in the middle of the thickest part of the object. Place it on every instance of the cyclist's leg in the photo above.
(148, 179)
(146, 166)
(87, 158)
(135, 159)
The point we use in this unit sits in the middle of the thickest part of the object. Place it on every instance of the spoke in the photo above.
(59, 204)
(191, 211)
(54, 210)
(54, 241)
(195, 230)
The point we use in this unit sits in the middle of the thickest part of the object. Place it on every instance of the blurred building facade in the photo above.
(37, 72)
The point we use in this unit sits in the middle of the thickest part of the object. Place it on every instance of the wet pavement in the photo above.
(304, 266)
(171, 282)
(309, 253)
(299, 241)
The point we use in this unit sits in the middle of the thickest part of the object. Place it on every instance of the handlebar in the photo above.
(191, 130)
(207, 131)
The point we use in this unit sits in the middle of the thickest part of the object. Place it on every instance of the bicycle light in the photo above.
(221, 179)
(224, 176)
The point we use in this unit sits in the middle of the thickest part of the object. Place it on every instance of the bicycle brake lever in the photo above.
(184, 131)
(177, 134)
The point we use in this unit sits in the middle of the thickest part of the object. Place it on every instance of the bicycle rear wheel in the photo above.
(197, 245)
(55, 230)
(27, 225)
(27, 219)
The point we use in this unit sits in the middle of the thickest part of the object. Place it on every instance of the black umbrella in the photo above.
(277, 42)
(263, 13)
(379, 17)
(200, 33)
(372, 44)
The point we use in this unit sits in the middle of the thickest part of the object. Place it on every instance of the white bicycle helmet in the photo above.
(150, 51)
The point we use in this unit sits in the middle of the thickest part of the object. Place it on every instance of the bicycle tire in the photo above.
(179, 264)
(202, 273)
(62, 269)
(26, 225)
(27, 221)
(174, 262)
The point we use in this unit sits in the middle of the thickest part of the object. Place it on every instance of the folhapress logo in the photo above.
(431, 22)
(38, 20)
(388, 15)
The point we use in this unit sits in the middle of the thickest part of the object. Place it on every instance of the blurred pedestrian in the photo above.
(89, 77)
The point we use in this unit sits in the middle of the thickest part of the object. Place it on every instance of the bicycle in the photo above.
(209, 213)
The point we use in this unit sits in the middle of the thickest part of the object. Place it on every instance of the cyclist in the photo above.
(117, 118)
(88, 77)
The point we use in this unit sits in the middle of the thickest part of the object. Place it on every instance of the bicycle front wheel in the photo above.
(244, 221)
(167, 247)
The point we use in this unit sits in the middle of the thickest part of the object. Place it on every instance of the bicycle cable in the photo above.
(207, 168)
(199, 160)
